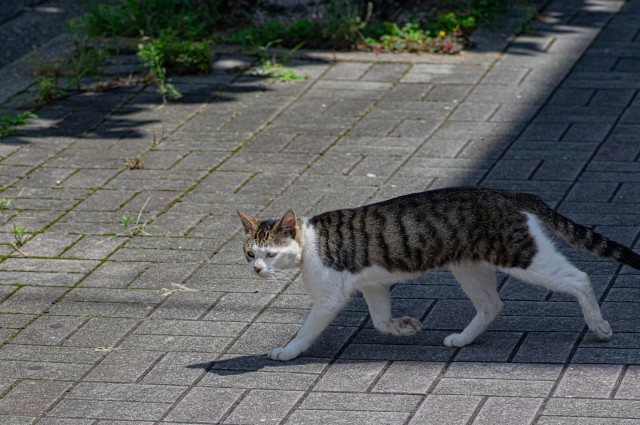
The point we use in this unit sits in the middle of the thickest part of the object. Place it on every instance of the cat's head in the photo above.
(271, 245)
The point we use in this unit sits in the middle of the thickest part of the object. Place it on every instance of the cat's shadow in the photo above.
(252, 363)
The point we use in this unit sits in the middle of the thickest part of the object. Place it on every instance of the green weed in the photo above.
(8, 124)
(5, 203)
(273, 67)
(185, 19)
(21, 234)
(184, 56)
(153, 60)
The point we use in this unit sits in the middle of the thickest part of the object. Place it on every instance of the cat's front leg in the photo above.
(379, 302)
(319, 318)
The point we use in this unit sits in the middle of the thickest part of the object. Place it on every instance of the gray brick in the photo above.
(49, 330)
(490, 347)
(118, 410)
(206, 405)
(123, 366)
(494, 387)
(44, 353)
(312, 417)
(176, 343)
(593, 408)
(357, 401)
(559, 170)
(535, 348)
(264, 406)
(42, 370)
(125, 392)
(347, 71)
(588, 381)
(101, 332)
(514, 169)
(573, 420)
(32, 398)
(630, 384)
(29, 299)
(178, 369)
(415, 128)
(449, 409)
(239, 307)
(443, 73)
(345, 375)
(508, 411)
(398, 378)
(186, 305)
(260, 380)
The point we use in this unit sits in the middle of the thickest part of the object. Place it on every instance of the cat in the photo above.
(473, 231)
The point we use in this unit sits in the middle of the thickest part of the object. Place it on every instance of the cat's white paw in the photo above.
(283, 353)
(603, 330)
(456, 340)
(403, 326)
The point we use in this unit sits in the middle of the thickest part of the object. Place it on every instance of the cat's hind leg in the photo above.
(478, 282)
(379, 302)
(549, 268)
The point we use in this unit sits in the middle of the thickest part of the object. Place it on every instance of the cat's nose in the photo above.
(257, 269)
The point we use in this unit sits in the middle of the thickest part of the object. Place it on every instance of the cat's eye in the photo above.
(271, 254)
(250, 254)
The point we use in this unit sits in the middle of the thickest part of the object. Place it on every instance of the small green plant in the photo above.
(133, 228)
(21, 234)
(153, 60)
(186, 19)
(58, 77)
(184, 56)
(4, 203)
(8, 124)
(48, 90)
(270, 66)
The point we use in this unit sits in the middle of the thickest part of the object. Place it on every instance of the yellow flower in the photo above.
(442, 34)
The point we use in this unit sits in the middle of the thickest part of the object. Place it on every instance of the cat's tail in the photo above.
(583, 237)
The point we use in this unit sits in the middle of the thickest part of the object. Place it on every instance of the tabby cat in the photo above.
(473, 231)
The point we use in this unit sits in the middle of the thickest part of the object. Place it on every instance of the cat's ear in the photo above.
(287, 224)
(249, 223)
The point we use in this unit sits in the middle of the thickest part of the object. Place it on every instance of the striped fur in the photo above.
(427, 230)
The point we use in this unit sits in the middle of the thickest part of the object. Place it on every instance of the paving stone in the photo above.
(593, 408)
(178, 369)
(264, 406)
(118, 410)
(344, 417)
(125, 392)
(345, 375)
(535, 348)
(358, 401)
(508, 410)
(41, 353)
(123, 366)
(101, 332)
(49, 330)
(630, 385)
(30, 299)
(450, 409)
(398, 377)
(42, 370)
(261, 380)
(494, 387)
(588, 381)
(32, 398)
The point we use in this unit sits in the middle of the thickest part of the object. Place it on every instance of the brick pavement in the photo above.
(167, 326)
